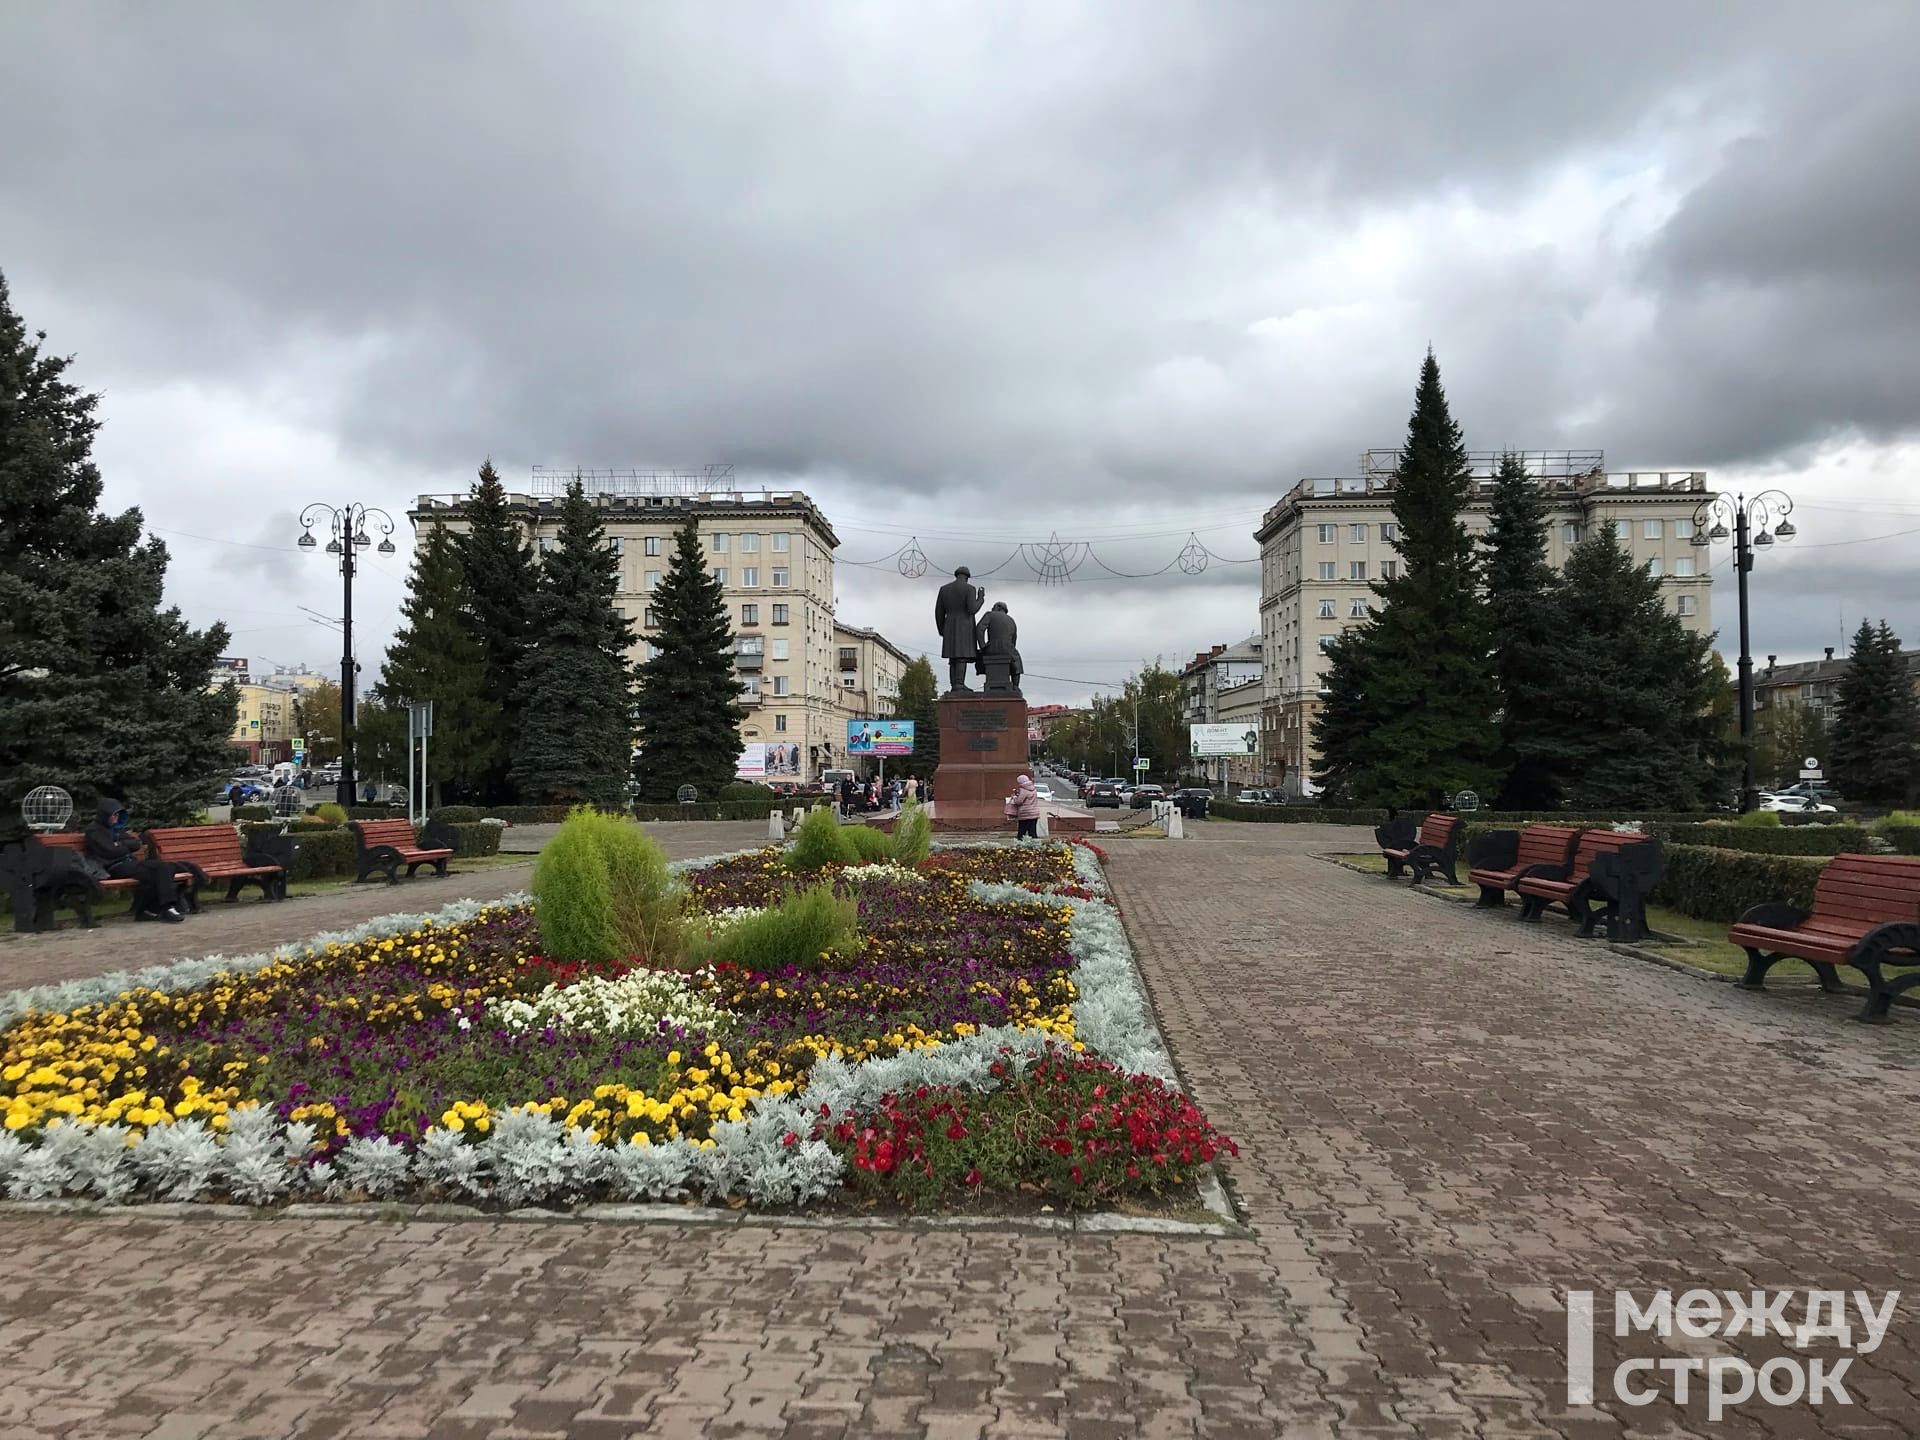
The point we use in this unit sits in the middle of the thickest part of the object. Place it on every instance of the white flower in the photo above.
(883, 870)
(636, 1003)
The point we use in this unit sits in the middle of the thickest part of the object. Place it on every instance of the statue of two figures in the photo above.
(988, 643)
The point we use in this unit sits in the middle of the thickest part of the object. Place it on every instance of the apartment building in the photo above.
(772, 552)
(1326, 542)
(1225, 685)
(866, 671)
(1813, 685)
(264, 721)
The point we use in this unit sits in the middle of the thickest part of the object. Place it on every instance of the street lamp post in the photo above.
(1754, 525)
(347, 527)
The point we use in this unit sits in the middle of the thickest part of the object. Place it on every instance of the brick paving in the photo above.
(1446, 1121)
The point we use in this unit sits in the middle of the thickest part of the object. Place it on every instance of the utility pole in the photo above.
(348, 527)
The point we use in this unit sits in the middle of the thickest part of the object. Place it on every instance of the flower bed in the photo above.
(983, 1035)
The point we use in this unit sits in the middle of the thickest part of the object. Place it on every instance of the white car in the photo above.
(1796, 805)
(1045, 792)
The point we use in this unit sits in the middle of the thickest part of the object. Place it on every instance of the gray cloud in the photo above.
(1059, 260)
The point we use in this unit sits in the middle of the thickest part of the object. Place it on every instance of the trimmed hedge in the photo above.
(327, 852)
(1785, 840)
(250, 812)
(1714, 884)
(1904, 838)
(457, 814)
(1291, 814)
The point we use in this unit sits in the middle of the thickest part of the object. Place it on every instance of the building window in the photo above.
(1358, 611)
(849, 658)
(1326, 610)
(1389, 569)
(1619, 528)
(653, 650)
(779, 577)
(1356, 570)
(749, 614)
(1390, 532)
(1326, 643)
(782, 685)
(1357, 534)
(1686, 605)
(547, 543)
(1683, 530)
(750, 577)
(779, 614)
(1683, 567)
(653, 544)
(780, 649)
(1655, 567)
(1570, 532)
(1327, 534)
(781, 540)
(648, 618)
(749, 645)
(1326, 569)
(1652, 530)
(615, 544)
(780, 722)
(749, 543)
(719, 542)
(653, 579)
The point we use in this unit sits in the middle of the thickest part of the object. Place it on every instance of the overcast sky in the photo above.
(972, 272)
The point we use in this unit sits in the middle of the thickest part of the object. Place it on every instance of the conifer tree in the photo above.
(915, 701)
(576, 691)
(1343, 720)
(1423, 722)
(689, 709)
(502, 583)
(436, 657)
(1629, 714)
(1876, 724)
(1519, 583)
(102, 691)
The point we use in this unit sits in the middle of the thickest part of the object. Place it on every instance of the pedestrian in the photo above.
(913, 788)
(115, 851)
(235, 795)
(846, 796)
(1024, 806)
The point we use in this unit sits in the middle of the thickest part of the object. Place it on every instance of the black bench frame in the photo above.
(1425, 861)
(387, 859)
(1879, 947)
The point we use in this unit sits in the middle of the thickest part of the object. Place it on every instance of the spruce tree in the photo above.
(1628, 712)
(1344, 720)
(689, 709)
(915, 701)
(502, 582)
(102, 691)
(1874, 723)
(436, 657)
(1427, 711)
(576, 690)
(1519, 583)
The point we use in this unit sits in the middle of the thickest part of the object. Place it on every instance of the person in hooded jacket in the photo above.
(117, 850)
(1024, 806)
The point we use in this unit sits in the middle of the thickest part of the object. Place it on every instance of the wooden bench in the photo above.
(217, 851)
(1432, 850)
(1497, 860)
(1866, 913)
(1570, 886)
(386, 845)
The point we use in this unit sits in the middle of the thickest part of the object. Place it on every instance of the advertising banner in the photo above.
(879, 737)
(1214, 740)
(773, 760)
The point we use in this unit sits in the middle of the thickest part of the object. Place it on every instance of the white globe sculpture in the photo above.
(47, 807)
(286, 802)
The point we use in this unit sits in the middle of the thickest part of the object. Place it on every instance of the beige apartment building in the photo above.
(263, 723)
(772, 552)
(866, 668)
(1325, 543)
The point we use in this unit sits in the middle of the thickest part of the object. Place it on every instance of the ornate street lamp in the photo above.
(1756, 524)
(347, 528)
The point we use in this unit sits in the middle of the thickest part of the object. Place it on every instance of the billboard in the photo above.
(769, 761)
(1213, 740)
(879, 737)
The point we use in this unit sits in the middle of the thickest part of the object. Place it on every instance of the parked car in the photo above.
(1811, 789)
(1796, 805)
(1045, 792)
(1192, 801)
(1100, 792)
(1141, 796)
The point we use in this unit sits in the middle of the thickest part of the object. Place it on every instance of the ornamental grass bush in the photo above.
(913, 834)
(805, 931)
(333, 813)
(602, 889)
(870, 845)
(820, 841)
(1759, 820)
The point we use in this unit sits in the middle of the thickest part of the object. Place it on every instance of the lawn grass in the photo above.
(1376, 864)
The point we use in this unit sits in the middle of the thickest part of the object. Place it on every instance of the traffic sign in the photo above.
(1142, 764)
(1812, 774)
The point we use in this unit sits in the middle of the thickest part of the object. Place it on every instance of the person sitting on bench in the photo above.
(117, 851)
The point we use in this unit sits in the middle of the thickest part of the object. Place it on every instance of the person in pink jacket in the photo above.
(1024, 806)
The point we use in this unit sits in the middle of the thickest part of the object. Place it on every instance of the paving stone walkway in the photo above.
(1446, 1122)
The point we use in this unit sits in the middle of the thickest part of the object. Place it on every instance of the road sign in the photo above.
(299, 749)
(1142, 764)
(1812, 774)
(420, 719)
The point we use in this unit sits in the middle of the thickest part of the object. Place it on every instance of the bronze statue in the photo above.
(953, 611)
(998, 644)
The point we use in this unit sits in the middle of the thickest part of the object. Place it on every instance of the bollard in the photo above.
(1041, 829)
(1175, 829)
(799, 813)
(776, 827)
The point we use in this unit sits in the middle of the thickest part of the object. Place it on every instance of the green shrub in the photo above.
(573, 894)
(805, 931)
(1292, 814)
(457, 814)
(1716, 884)
(1899, 820)
(646, 897)
(477, 839)
(871, 845)
(1904, 838)
(1772, 840)
(332, 812)
(251, 812)
(746, 792)
(323, 853)
(1759, 819)
(913, 834)
(820, 840)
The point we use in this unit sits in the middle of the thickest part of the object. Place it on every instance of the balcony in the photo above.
(750, 694)
(748, 659)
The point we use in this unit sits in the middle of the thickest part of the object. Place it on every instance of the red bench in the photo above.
(1570, 886)
(1433, 850)
(1497, 860)
(386, 845)
(1866, 913)
(216, 850)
